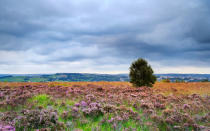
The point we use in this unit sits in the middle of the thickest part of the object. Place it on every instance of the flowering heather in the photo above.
(6, 128)
(104, 106)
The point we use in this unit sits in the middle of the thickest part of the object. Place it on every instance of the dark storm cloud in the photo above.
(105, 32)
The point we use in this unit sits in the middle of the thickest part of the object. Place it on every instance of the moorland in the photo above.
(104, 106)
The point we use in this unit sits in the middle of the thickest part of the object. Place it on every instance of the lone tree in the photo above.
(141, 74)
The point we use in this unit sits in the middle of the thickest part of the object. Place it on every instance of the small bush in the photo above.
(141, 74)
(205, 80)
(166, 80)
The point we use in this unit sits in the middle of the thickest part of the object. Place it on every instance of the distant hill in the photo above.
(184, 77)
(95, 77)
(63, 77)
(3, 75)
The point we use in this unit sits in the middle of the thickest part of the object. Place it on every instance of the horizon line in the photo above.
(87, 73)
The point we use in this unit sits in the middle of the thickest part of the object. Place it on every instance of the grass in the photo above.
(41, 100)
(45, 101)
(9, 108)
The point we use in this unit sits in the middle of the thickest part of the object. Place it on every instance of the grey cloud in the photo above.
(107, 32)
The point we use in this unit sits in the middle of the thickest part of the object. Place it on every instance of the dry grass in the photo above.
(201, 88)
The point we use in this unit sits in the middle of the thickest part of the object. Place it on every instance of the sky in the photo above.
(104, 36)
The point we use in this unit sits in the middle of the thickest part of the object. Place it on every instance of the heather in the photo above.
(96, 106)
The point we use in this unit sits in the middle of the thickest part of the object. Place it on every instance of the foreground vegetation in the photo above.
(104, 106)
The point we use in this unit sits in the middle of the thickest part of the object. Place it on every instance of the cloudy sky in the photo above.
(104, 36)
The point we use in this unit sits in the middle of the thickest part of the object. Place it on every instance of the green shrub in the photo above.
(141, 74)
(179, 81)
(205, 80)
(166, 80)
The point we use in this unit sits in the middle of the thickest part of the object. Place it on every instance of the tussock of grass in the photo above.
(41, 100)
